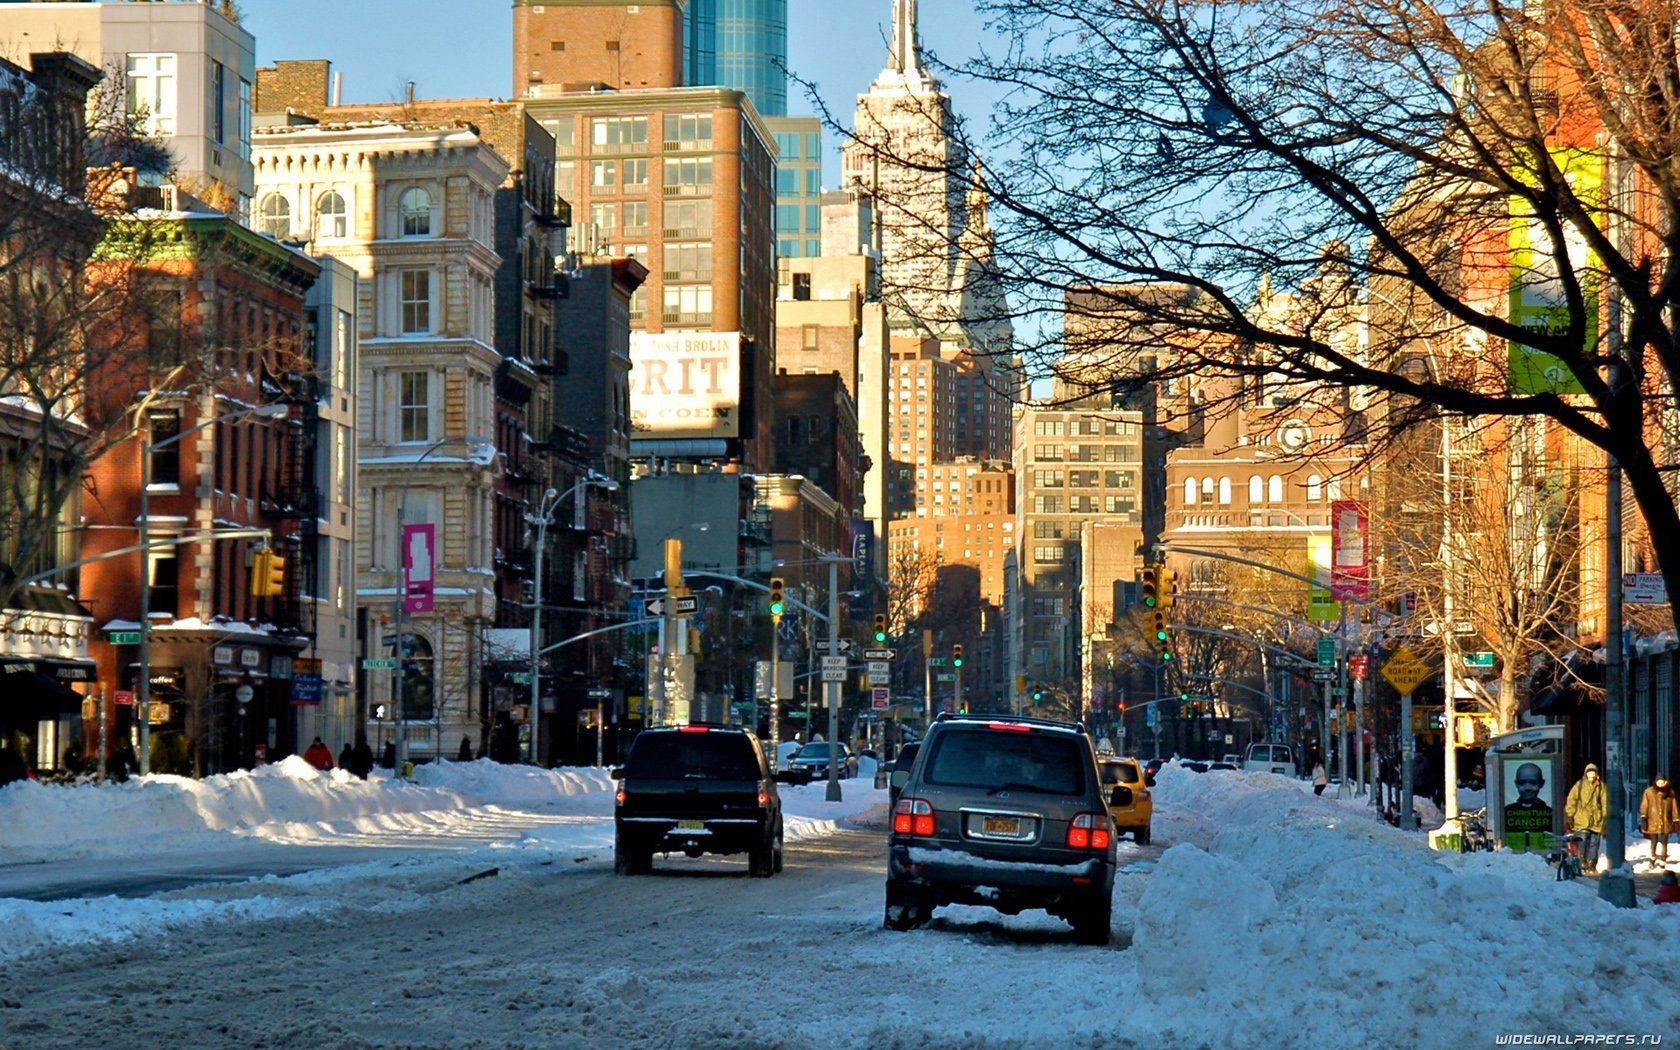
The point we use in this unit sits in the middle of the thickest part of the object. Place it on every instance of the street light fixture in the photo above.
(545, 513)
(265, 411)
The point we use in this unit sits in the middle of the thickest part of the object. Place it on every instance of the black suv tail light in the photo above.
(1092, 831)
(912, 816)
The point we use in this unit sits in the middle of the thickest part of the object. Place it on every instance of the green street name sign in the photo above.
(379, 665)
(123, 637)
(1478, 659)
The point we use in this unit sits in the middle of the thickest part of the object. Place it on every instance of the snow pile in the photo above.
(1305, 921)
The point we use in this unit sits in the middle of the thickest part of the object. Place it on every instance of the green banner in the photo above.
(1322, 605)
(1537, 300)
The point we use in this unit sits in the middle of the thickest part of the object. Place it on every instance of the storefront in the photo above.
(45, 675)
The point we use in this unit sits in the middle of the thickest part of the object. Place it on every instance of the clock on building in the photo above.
(1293, 435)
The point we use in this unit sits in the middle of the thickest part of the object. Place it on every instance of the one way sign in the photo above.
(686, 604)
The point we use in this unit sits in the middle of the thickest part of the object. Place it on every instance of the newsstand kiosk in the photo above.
(1525, 788)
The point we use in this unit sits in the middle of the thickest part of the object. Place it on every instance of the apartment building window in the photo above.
(635, 175)
(415, 301)
(619, 134)
(1048, 453)
(165, 572)
(603, 176)
(1333, 490)
(1117, 505)
(787, 218)
(415, 207)
(688, 261)
(688, 304)
(1047, 505)
(563, 130)
(638, 304)
(604, 219)
(1082, 504)
(1048, 479)
(688, 131)
(635, 219)
(151, 92)
(802, 287)
(688, 219)
(331, 215)
(787, 182)
(218, 102)
(1083, 479)
(414, 406)
(274, 216)
(1045, 553)
(688, 176)
(164, 424)
(809, 335)
(1047, 530)
(244, 119)
(813, 181)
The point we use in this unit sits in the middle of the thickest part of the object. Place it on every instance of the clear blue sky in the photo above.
(460, 48)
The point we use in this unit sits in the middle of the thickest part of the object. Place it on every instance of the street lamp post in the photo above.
(545, 512)
(267, 411)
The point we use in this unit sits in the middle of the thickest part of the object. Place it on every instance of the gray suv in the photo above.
(1008, 813)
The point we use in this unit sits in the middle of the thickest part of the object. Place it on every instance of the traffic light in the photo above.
(1038, 694)
(268, 574)
(1169, 586)
(778, 604)
(880, 628)
(1158, 628)
(956, 654)
(1149, 588)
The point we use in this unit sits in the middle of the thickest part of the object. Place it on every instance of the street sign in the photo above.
(937, 661)
(877, 654)
(1324, 674)
(1478, 660)
(521, 677)
(1405, 671)
(945, 676)
(1463, 627)
(879, 698)
(1358, 666)
(1638, 588)
(879, 668)
(845, 645)
(123, 637)
(834, 668)
(599, 693)
(124, 697)
(379, 664)
(1327, 652)
(685, 604)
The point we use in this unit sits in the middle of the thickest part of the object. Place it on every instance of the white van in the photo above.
(1269, 758)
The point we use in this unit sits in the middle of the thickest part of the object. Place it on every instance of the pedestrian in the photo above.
(1320, 778)
(388, 755)
(1669, 891)
(1658, 815)
(12, 766)
(319, 755)
(361, 757)
(345, 756)
(1585, 809)
(465, 754)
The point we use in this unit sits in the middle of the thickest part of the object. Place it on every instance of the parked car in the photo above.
(1008, 813)
(1152, 767)
(900, 770)
(1129, 801)
(1269, 758)
(813, 759)
(697, 789)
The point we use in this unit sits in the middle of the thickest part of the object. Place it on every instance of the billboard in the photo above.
(1539, 300)
(685, 385)
(1350, 570)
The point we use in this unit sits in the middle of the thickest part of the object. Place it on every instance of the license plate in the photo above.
(1000, 825)
(691, 825)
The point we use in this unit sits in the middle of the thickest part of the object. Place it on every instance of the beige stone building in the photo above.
(410, 207)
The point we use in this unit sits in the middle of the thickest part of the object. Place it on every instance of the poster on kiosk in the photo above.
(1525, 777)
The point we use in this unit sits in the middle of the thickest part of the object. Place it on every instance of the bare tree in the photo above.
(1501, 175)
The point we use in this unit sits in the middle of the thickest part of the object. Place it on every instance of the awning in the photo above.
(54, 668)
(34, 599)
(31, 689)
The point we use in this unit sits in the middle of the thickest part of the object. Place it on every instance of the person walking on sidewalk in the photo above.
(1658, 815)
(1320, 778)
(319, 755)
(1585, 809)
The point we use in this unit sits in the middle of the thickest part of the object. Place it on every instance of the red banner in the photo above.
(419, 559)
(1350, 568)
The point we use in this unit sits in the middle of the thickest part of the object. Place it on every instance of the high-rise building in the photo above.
(799, 185)
(943, 404)
(185, 70)
(608, 43)
(739, 44)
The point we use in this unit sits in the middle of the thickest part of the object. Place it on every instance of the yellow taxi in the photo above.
(1127, 789)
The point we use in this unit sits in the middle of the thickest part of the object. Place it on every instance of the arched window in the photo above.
(1315, 488)
(415, 204)
(331, 217)
(1207, 490)
(1225, 492)
(1274, 489)
(1256, 490)
(1189, 492)
(1334, 489)
(274, 216)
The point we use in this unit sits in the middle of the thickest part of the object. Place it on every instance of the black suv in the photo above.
(697, 789)
(1005, 812)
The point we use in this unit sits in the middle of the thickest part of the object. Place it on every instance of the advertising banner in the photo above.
(685, 385)
(1321, 604)
(1350, 571)
(419, 544)
(1538, 300)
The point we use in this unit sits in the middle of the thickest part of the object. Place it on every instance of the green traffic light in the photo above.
(880, 636)
(1160, 636)
(775, 608)
(1149, 601)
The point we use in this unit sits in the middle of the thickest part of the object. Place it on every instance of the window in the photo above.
(1207, 490)
(414, 409)
(1256, 490)
(604, 217)
(151, 92)
(274, 216)
(1189, 492)
(618, 134)
(165, 581)
(1048, 479)
(813, 145)
(415, 206)
(415, 292)
(164, 424)
(688, 131)
(218, 102)
(1333, 491)
(801, 287)
(1225, 491)
(244, 119)
(787, 218)
(1047, 530)
(808, 334)
(787, 182)
(688, 261)
(688, 304)
(688, 176)
(688, 219)
(635, 174)
(813, 182)
(331, 216)
(1274, 489)
(603, 176)
(635, 219)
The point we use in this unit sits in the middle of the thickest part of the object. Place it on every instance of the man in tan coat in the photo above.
(1584, 812)
(1658, 815)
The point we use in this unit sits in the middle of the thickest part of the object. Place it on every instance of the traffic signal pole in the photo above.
(832, 689)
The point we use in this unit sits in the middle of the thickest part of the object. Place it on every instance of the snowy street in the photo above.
(1262, 916)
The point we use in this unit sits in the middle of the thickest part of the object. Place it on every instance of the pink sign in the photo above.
(1350, 570)
(419, 547)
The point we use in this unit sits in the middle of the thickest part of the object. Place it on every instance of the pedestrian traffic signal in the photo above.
(880, 628)
(268, 574)
(956, 655)
(1149, 588)
(778, 604)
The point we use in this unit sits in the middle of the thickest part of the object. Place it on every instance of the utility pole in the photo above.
(832, 689)
(927, 671)
(1449, 631)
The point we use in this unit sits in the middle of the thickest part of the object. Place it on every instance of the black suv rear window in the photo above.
(717, 756)
(1052, 763)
